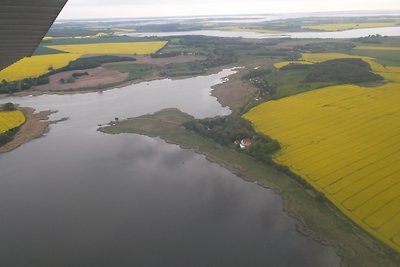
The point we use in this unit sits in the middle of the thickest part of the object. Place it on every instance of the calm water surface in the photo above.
(77, 197)
(387, 31)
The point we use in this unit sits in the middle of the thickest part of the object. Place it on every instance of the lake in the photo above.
(282, 16)
(356, 33)
(78, 197)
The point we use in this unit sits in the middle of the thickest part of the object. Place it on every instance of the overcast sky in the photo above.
(150, 8)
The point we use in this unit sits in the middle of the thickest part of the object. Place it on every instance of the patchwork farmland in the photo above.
(344, 141)
(32, 67)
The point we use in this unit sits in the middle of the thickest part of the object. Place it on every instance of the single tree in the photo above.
(9, 107)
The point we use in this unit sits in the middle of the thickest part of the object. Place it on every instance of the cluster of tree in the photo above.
(225, 51)
(25, 84)
(259, 79)
(262, 148)
(234, 47)
(371, 39)
(223, 130)
(293, 56)
(58, 31)
(79, 74)
(73, 77)
(269, 53)
(7, 107)
(226, 130)
(183, 69)
(220, 57)
(291, 25)
(325, 47)
(218, 53)
(8, 136)
(209, 43)
(256, 73)
(348, 70)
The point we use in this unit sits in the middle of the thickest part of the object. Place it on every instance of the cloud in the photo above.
(143, 8)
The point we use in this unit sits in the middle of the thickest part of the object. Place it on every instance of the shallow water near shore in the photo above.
(78, 197)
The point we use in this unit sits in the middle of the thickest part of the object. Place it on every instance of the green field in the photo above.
(135, 71)
(387, 58)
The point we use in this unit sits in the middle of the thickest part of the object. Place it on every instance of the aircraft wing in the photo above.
(23, 24)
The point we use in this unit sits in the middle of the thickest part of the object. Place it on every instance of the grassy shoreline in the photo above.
(35, 126)
(318, 219)
(117, 85)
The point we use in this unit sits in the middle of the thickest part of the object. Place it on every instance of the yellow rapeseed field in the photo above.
(10, 120)
(124, 30)
(377, 48)
(112, 48)
(310, 58)
(390, 73)
(349, 26)
(321, 57)
(35, 66)
(345, 141)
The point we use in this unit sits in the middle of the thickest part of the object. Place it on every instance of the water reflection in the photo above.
(77, 197)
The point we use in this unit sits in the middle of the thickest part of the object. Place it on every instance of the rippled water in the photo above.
(78, 197)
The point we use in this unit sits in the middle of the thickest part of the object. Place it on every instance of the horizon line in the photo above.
(233, 15)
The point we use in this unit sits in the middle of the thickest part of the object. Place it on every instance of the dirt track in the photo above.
(97, 76)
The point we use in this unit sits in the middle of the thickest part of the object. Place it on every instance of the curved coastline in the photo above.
(319, 220)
